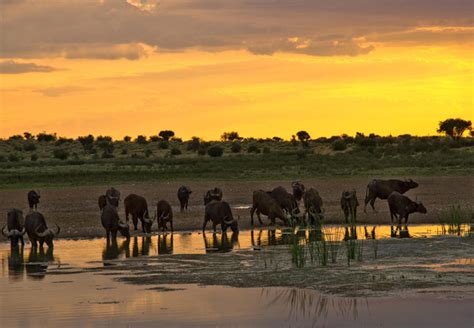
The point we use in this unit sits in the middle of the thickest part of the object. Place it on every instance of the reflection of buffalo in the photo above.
(38, 230)
(16, 264)
(112, 250)
(183, 196)
(399, 231)
(165, 244)
(33, 199)
(402, 206)
(15, 228)
(222, 245)
(38, 261)
(383, 188)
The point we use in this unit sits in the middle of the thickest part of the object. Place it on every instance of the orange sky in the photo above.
(384, 79)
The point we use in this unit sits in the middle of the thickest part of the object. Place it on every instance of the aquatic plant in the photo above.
(453, 218)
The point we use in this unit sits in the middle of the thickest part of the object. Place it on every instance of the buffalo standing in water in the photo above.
(402, 206)
(219, 212)
(137, 207)
(213, 194)
(313, 205)
(164, 214)
(183, 197)
(111, 223)
(383, 188)
(15, 228)
(38, 230)
(265, 204)
(33, 199)
(349, 204)
(298, 190)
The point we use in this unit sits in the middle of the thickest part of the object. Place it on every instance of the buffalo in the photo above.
(286, 200)
(164, 214)
(15, 228)
(113, 196)
(111, 223)
(137, 207)
(183, 197)
(298, 190)
(264, 203)
(38, 231)
(33, 199)
(402, 206)
(313, 205)
(383, 188)
(349, 204)
(102, 202)
(213, 194)
(219, 212)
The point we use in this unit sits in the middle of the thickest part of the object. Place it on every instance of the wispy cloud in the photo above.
(13, 67)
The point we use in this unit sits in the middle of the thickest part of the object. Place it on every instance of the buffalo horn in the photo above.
(228, 221)
(58, 229)
(3, 231)
(122, 225)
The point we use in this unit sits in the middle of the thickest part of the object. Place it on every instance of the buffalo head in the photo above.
(48, 235)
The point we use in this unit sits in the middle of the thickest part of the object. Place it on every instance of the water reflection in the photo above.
(399, 231)
(165, 243)
(223, 244)
(305, 304)
(38, 261)
(16, 264)
(112, 250)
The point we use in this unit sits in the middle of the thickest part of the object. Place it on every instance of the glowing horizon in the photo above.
(322, 77)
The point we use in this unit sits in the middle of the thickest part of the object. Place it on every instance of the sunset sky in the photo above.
(261, 67)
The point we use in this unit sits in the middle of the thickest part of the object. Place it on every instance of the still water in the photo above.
(54, 288)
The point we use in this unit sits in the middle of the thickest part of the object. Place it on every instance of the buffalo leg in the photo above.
(252, 211)
(259, 217)
(135, 221)
(204, 225)
(214, 227)
(171, 225)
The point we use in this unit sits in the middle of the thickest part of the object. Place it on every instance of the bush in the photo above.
(124, 152)
(29, 146)
(61, 154)
(148, 152)
(127, 138)
(107, 154)
(61, 141)
(155, 138)
(46, 137)
(266, 150)
(193, 144)
(163, 145)
(202, 151)
(339, 145)
(236, 147)
(215, 151)
(141, 140)
(253, 149)
(14, 158)
(302, 153)
(175, 151)
(3, 158)
(166, 134)
(34, 157)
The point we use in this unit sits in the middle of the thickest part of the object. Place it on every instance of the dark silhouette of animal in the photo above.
(213, 194)
(401, 207)
(111, 223)
(313, 205)
(349, 205)
(222, 245)
(33, 199)
(183, 197)
(137, 207)
(383, 188)
(298, 190)
(286, 200)
(219, 212)
(164, 213)
(264, 203)
(113, 196)
(15, 228)
(38, 231)
(102, 202)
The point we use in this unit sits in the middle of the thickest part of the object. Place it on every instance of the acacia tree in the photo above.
(303, 136)
(230, 136)
(454, 127)
(166, 134)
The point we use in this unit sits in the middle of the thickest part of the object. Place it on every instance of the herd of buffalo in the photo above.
(275, 204)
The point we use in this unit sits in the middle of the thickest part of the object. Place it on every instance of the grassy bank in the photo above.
(289, 165)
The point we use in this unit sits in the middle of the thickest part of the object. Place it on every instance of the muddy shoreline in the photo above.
(75, 209)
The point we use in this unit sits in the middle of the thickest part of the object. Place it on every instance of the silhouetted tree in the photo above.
(454, 127)
(230, 136)
(303, 136)
(127, 138)
(28, 135)
(46, 137)
(166, 134)
(141, 140)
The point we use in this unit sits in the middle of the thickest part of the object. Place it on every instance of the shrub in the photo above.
(201, 151)
(34, 157)
(193, 144)
(61, 154)
(16, 137)
(3, 158)
(107, 154)
(141, 140)
(253, 149)
(127, 138)
(46, 137)
(302, 153)
(155, 138)
(339, 145)
(166, 134)
(266, 150)
(62, 140)
(14, 158)
(236, 147)
(230, 136)
(148, 152)
(215, 151)
(175, 151)
(163, 145)
(29, 146)
(124, 152)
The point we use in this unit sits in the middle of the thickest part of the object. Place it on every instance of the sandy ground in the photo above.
(75, 209)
